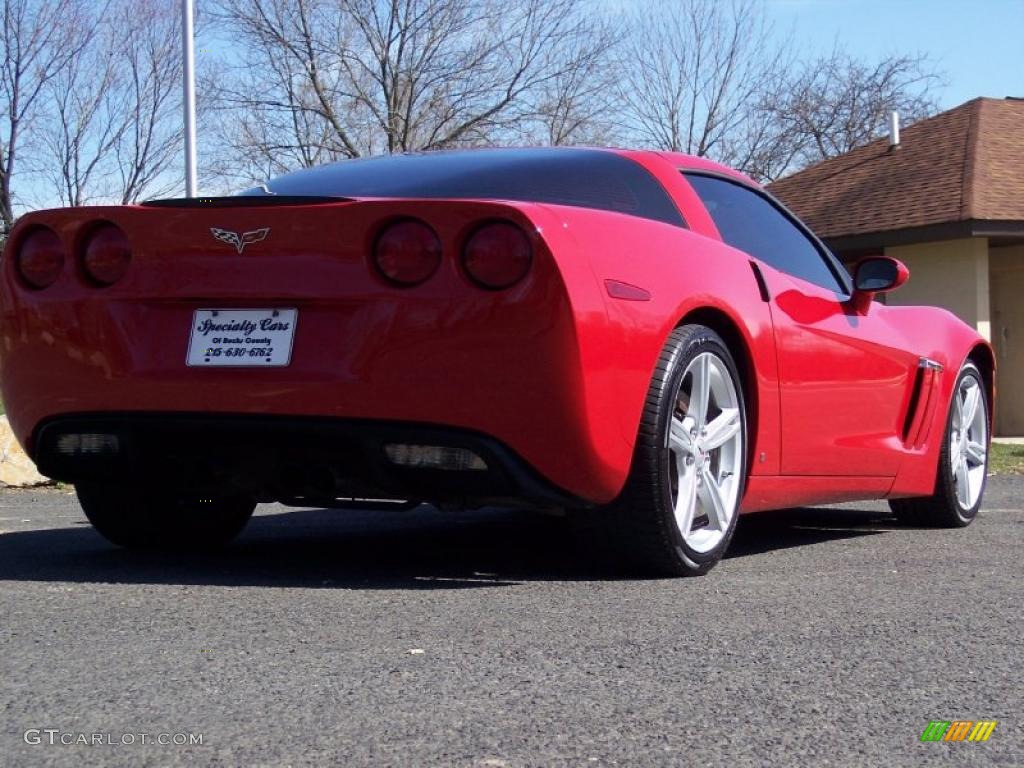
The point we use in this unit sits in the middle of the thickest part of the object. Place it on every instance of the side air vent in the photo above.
(913, 407)
(922, 403)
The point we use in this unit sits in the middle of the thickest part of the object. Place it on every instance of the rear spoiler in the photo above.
(242, 201)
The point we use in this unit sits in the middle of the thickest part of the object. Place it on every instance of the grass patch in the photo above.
(1006, 459)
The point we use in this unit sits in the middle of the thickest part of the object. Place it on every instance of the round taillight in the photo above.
(498, 255)
(407, 252)
(106, 255)
(40, 258)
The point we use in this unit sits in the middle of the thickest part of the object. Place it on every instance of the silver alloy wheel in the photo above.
(705, 448)
(968, 442)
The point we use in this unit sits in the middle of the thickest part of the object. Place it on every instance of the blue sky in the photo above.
(978, 44)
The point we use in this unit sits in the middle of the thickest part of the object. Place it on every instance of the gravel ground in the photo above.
(826, 638)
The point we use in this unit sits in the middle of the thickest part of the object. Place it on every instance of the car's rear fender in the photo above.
(650, 277)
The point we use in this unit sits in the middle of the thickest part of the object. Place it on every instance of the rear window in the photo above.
(586, 178)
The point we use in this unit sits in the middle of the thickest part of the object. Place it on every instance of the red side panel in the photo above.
(782, 492)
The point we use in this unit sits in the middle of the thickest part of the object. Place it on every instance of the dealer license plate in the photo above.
(242, 337)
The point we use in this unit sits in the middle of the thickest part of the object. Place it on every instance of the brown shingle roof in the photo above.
(960, 165)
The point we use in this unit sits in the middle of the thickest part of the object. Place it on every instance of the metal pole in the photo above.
(188, 72)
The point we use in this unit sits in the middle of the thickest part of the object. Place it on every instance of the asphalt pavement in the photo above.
(827, 637)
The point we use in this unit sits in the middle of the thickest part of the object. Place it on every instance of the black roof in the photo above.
(589, 178)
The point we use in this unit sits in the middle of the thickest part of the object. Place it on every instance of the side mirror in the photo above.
(877, 274)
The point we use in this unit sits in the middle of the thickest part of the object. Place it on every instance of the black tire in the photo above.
(638, 530)
(943, 509)
(141, 518)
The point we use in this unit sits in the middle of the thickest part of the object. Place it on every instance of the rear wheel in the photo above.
(140, 518)
(963, 461)
(678, 510)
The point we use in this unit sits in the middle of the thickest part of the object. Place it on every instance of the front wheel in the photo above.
(963, 461)
(141, 518)
(678, 510)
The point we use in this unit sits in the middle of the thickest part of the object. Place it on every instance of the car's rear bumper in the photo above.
(290, 459)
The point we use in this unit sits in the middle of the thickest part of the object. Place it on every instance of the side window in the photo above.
(750, 222)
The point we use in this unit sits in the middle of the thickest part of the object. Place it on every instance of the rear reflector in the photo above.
(89, 443)
(497, 256)
(434, 457)
(40, 258)
(407, 253)
(107, 255)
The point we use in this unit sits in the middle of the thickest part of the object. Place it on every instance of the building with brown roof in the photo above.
(948, 201)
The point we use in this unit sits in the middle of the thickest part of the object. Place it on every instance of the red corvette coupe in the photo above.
(645, 339)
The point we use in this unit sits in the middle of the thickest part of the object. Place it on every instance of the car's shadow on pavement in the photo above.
(418, 549)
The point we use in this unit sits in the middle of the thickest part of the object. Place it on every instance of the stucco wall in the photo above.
(1007, 265)
(953, 274)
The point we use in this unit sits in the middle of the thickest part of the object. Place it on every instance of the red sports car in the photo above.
(645, 339)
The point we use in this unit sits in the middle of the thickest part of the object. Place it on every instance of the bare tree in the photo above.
(582, 103)
(310, 81)
(83, 121)
(113, 127)
(153, 138)
(837, 102)
(39, 39)
(283, 104)
(328, 79)
(763, 146)
(695, 72)
(709, 78)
